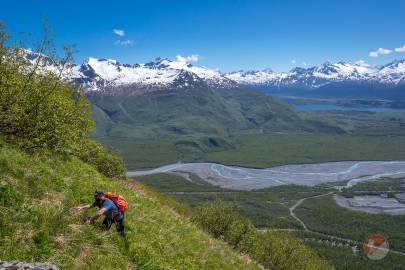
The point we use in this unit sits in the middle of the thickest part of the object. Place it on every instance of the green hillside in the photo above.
(195, 111)
(192, 121)
(38, 193)
(184, 124)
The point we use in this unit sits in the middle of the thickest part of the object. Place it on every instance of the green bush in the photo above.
(216, 218)
(39, 109)
(103, 160)
(240, 233)
(273, 250)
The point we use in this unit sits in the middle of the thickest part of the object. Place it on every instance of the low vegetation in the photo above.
(264, 207)
(383, 184)
(263, 150)
(268, 150)
(269, 208)
(272, 250)
(324, 215)
(38, 193)
(344, 258)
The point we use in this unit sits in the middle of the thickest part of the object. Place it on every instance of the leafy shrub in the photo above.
(103, 160)
(39, 109)
(272, 250)
(240, 233)
(216, 218)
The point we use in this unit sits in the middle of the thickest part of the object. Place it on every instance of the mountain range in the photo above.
(112, 77)
(192, 110)
(318, 76)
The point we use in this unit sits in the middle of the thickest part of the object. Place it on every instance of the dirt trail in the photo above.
(305, 228)
(298, 203)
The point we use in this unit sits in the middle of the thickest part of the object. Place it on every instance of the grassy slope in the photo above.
(37, 196)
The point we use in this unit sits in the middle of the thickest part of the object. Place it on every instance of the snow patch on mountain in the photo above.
(98, 73)
(314, 77)
(162, 73)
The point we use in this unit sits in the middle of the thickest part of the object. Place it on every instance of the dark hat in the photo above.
(98, 193)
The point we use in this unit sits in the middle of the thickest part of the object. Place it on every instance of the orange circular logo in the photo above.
(376, 247)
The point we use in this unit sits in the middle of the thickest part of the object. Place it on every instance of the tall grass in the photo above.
(37, 196)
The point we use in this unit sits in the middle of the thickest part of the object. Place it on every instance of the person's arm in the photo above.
(84, 207)
(97, 215)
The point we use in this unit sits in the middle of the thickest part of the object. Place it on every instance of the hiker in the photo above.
(110, 206)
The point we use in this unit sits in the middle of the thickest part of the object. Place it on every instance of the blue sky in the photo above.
(225, 34)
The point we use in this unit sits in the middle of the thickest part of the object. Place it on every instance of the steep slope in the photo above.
(38, 193)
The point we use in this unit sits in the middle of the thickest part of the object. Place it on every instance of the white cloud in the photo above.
(124, 43)
(400, 49)
(380, 51)
(304, 63)
(119, 32)
(362, 63)
(293, 61)
(188, 59)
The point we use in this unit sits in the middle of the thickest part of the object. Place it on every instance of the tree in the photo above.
(40, 109)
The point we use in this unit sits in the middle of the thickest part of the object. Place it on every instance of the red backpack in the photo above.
(119, 201)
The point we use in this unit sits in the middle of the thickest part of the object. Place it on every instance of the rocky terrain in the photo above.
(15, 265)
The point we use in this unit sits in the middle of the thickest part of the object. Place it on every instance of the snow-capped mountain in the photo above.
(315, 77)
(393, 72)
(96, 74)
(162, 73)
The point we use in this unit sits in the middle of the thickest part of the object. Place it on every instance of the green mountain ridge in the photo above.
(195, 119)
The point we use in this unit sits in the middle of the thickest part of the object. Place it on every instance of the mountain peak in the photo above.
(395, 63)
(326, 63)
(163, 73)
(327, 72)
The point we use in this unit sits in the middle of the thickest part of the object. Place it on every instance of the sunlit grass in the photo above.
(38, 193)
